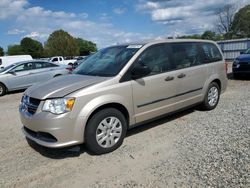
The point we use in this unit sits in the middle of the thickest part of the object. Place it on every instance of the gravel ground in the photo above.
(189, 149)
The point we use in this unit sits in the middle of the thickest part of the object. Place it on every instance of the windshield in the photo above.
(7, 68)
(108, 61)
(248, 51)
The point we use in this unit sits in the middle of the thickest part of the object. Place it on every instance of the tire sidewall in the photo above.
(90, 130)
(3, 88)
(206, 104)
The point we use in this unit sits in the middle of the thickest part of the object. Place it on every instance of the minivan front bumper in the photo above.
(51, 130)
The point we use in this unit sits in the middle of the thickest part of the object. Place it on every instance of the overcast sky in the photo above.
(107, 22)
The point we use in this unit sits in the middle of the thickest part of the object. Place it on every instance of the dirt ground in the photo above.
(189, 149)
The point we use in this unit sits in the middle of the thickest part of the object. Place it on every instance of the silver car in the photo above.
(122, 86)
(24, 74)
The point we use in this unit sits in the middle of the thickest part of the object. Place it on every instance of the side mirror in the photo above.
(140, 71)
(242, 52)
(12, 72)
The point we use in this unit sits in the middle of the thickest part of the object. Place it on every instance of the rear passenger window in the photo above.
(186, 55)
(156, 58)
(211, 53)
(40, 65)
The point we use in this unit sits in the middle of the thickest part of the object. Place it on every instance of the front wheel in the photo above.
(212, 97)
(105, 131)
(2, 89)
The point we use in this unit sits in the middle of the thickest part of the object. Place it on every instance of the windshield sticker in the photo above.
(134, 46)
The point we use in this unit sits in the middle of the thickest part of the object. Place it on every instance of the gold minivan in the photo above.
(122, 86)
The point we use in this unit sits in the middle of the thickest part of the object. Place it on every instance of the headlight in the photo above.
(59, 106)
(236, 61)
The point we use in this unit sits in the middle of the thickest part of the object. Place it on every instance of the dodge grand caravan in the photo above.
(121, 86)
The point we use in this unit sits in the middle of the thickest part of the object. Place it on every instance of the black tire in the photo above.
(92, 129)
(236, 76)
(206, 105)
(3, 89)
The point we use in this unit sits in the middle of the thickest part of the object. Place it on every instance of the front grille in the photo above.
(30, 104)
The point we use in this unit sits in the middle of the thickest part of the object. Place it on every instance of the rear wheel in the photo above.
(2, 89)
(105, 131)
(212, 97)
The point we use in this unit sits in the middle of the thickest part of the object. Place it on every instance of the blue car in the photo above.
(241, 65)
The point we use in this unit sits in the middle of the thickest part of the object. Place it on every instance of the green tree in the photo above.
(15, 50)
(211, 35)
(85, 47)
(61, 43)
(241, 23)
(1, 51)
(32, 47)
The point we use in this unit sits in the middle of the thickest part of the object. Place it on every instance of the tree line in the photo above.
(59, 43)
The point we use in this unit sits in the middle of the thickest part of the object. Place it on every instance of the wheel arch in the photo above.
(57, 75)
(217, 81)
(114, 105)
(5, 86)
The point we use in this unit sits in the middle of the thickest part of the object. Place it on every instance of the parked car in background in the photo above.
(120, 87)
(8, 60)
(80, 61)
(241, 64)
(24, 74)
(62, 60)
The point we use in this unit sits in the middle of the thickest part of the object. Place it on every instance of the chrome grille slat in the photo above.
(30, 104)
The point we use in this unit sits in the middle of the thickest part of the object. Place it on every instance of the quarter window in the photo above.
(211, 53)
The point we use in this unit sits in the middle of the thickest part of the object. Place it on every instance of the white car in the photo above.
(61, 60)
(24, 74)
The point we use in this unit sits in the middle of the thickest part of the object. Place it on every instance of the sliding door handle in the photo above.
(182, 75)
(169, 78)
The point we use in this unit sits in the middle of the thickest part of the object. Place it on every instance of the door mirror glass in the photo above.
(140, 71)
(13, 72)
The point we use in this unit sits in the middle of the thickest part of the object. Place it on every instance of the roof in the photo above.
(144, 42)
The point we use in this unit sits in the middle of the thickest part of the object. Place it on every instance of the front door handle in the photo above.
(169, 78)
(182, 75)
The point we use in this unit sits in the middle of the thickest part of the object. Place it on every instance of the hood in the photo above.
(62, 86)
(244, 57)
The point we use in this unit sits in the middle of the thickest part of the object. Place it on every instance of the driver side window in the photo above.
(24, 67)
